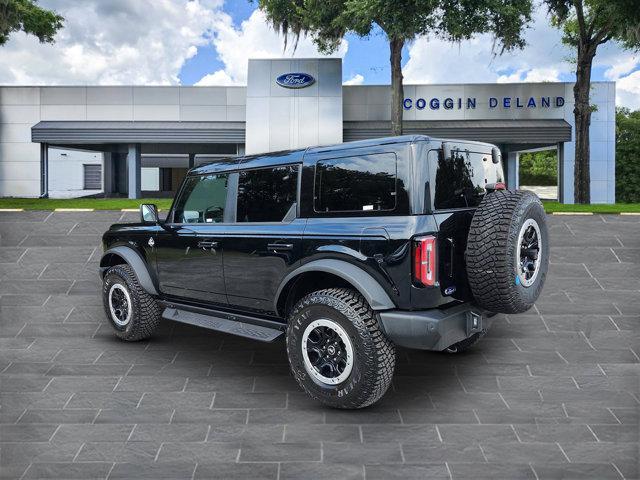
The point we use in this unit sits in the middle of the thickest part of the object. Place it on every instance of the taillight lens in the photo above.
(425, 261)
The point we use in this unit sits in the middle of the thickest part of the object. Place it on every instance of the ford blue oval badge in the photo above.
(449, 290)
(295, 80)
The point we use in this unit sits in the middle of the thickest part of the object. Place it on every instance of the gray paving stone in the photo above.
(196, 403)
(320, 471)
(120, 452)
(563, 471)
(157, 470)
(437, 451)
(199, 453)
(92, 433)
(369, 453)
(91, 470)
(491, 471)
(168, 433)
(249, 471)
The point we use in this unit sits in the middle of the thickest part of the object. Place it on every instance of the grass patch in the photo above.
(551, 207)
(165, 204)
(95, 203)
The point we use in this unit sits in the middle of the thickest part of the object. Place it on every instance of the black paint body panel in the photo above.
(246, 268)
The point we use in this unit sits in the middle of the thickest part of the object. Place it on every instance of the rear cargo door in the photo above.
(457, 186)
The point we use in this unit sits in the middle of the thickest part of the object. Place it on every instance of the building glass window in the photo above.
(203, 199)
(266, 194)
(359, 183)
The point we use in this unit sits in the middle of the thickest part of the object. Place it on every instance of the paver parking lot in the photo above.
(553, 393)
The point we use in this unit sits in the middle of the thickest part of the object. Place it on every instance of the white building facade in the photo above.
(138, 140)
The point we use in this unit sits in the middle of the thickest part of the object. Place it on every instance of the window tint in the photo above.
(457, 181)
(202, 200)
(266, 194)
(365, 182)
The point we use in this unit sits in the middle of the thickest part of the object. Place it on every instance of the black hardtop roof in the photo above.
(295, 156)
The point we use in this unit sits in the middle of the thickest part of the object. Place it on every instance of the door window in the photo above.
(203, 199)
(359, 183)
(267, 194)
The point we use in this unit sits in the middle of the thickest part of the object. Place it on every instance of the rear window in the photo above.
(357, 183)
(459, 181)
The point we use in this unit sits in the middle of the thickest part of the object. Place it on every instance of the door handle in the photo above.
(280, 246)
(207, 244)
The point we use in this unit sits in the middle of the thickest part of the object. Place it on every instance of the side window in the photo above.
(266, 194)
(203, 199)
(361, 183)
(457, 181)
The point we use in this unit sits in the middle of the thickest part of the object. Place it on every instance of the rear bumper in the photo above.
(434, 329)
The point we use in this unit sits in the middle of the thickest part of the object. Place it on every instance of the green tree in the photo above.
(587, 24)
(328, 21)
(627, 156)
(27, 16)
(539, 168)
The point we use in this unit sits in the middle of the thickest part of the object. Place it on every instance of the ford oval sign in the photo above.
(295, 80)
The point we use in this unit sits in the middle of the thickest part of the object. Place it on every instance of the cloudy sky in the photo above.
(208, 42)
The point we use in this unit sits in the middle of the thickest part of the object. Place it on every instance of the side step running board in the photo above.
(235, 325)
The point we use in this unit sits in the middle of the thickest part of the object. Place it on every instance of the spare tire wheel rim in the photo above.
(327, 352)
(529, 253)
(120, 304)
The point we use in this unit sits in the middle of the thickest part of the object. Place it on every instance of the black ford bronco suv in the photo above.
(347, 250)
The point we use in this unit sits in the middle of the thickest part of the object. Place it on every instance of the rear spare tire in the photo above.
(508, 251)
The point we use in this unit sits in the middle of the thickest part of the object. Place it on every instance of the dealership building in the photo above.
(140, 140)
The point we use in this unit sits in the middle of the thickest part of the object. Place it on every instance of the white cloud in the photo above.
(253, 39)
(114, 42)
(432, 60)
(357, 79)
(628, 91)
(531, 75)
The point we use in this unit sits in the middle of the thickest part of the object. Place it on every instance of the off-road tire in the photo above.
(465, 344)
(374, 353)
(492, 246)
(146, 312)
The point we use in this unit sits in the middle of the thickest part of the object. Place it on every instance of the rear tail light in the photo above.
(425, 261)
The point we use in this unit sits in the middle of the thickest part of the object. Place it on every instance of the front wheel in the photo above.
(132, 312)
(337, 351)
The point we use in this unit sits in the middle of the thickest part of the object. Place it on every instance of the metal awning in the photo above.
(546, 132)
(78, 133)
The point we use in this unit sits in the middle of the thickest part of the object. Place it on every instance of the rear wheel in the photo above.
(132, 312)
(337, 352)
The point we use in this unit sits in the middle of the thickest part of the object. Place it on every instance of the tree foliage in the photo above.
(539, 168)
(627, 156)
(328, 21)
(27, 16)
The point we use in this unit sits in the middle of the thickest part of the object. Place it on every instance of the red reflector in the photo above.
(424, 268)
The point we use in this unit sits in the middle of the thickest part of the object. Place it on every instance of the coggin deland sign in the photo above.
(469, 103)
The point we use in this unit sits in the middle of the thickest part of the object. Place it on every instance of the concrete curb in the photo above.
(11, 209)
(572, 213)
(74, 210)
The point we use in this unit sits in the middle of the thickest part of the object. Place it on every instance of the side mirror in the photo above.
(149, 213)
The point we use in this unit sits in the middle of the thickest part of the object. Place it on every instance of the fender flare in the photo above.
(135, 261)
(362, 281)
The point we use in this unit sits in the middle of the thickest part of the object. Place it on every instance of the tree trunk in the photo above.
(397, 96)
(582, 113)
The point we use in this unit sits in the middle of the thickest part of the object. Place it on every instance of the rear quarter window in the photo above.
(359, 183)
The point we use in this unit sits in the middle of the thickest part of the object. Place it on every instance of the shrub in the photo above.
(539, 168)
